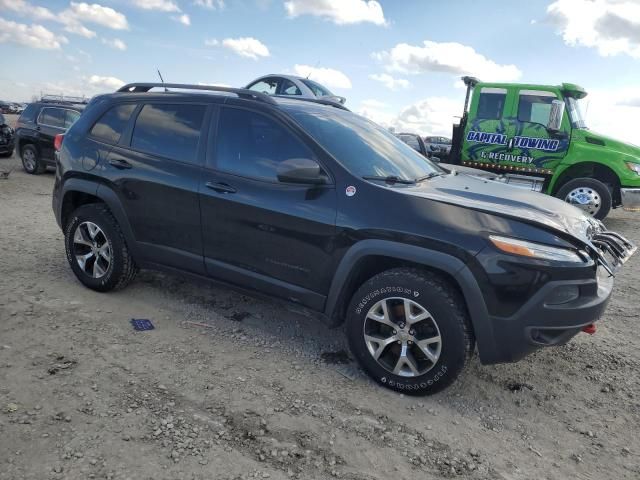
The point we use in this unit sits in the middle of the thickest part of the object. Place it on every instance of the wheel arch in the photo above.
(78, 192)
(591, 169)
(370, 257)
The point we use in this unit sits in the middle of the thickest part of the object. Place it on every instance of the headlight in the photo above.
(634, 167)
(534, 250)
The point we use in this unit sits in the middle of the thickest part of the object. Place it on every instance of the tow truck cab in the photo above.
(535, 136)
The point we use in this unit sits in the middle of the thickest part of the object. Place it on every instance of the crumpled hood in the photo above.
(509, 201)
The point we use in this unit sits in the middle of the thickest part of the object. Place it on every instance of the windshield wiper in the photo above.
(389, 179)
(429, 176)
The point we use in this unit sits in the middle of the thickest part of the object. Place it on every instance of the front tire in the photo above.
(31, 161)
(410, 331)
(96, 249)
(590, 195)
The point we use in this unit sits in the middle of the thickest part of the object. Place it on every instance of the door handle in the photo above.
(119, 163)
(220, 187)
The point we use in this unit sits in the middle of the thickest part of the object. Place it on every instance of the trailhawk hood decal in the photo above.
(506, 200)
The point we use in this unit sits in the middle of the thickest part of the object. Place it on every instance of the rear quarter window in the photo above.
(112, 123)
(29, 114)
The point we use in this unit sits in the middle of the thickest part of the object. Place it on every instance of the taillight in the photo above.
(57, 142)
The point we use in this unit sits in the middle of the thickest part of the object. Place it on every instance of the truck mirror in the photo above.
(555, 116)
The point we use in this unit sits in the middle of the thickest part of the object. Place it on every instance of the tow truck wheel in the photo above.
(590, 195)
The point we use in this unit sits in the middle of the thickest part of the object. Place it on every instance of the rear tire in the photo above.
(410, 331)
(96, 249)
(590, 195)
(31, 161)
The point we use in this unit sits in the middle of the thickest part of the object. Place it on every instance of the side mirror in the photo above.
(301, 170)
(555, 116)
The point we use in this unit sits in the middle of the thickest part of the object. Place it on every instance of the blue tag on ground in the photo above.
(141, 324)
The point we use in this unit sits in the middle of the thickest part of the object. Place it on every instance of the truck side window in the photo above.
(491, 103)
(535, 107)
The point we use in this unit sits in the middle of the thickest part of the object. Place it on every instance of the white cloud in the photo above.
(115, 43)
(34, 36)
(447, 57)
(214, 84)
(161, 5)
(22, 7)
(184, 19)
(210, 4)
(610, 26)
(613, 112)
(79, 29)
(104, 83)
(328, 77)
(211, 42)
(430, 116)
(246, 47)
(94, 13)
(373, 103)
(390, 82)
(341, 12)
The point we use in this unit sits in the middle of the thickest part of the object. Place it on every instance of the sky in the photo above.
(398, 62)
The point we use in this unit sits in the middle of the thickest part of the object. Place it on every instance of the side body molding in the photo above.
(453, 266)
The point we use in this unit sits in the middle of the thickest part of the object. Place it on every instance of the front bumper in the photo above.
(7, 147)
(539, 323)
(630, 199)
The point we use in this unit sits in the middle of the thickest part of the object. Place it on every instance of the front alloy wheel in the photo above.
(410, 331)
(402, 336)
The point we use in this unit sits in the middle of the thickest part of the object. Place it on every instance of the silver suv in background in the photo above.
(292, 85)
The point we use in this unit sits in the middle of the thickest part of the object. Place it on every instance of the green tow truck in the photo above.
(534, 136)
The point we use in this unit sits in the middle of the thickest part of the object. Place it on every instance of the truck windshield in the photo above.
(575, 113)
(361, 146)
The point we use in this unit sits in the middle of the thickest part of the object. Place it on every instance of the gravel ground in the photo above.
(231, 387)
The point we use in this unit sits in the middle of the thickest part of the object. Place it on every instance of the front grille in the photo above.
(612, 249)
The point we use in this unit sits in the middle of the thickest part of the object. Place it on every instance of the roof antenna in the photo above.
(311, 71)
(162, 80)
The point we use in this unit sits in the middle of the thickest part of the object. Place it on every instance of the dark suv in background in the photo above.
(305, 201)
(36, 129)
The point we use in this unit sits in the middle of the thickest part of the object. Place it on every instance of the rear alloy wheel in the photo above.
(31, 161)
(410, 331)
(588, 194)
(96, 249)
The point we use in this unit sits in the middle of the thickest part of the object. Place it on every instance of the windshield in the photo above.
(575, 113)
(361, 146)
(317, 89)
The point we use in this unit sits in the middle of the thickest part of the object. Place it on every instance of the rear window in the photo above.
(317, 89)
(169, 130)
(29, 114)
(111, 125)
(52, 117)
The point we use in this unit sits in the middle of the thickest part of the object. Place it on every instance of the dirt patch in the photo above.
(82, 395)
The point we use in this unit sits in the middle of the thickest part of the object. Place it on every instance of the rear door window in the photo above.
(169, 130)
(491, 103)
(111, 125)
(289, 88)
(52, 117)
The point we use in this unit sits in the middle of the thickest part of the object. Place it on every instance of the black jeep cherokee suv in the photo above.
(308, 202)
(37, 128)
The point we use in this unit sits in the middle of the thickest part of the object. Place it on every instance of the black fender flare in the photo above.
(108, 196)
(453, 266)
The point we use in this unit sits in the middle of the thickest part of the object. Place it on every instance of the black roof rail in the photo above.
(240, 92)
(321, 101)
